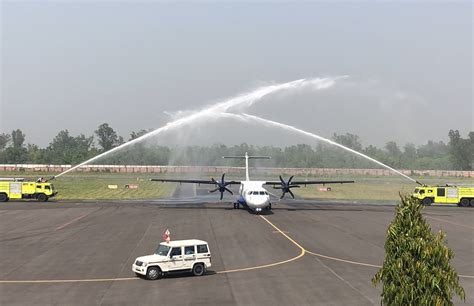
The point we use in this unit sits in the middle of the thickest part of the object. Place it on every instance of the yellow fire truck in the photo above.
(18, 188)
(462, 196)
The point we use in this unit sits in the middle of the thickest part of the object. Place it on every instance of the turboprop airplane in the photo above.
(252, 194)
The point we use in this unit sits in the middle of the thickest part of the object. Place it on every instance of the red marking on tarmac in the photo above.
(72, 221)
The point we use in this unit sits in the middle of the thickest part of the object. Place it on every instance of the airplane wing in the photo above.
(286, 186)
(220, 186)
(208, 182)
(274, 183)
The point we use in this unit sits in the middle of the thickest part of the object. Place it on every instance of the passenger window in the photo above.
(189, 250)
(38, 186)
(441, 192)
(47, 187)
(175, 252)
(202, 248)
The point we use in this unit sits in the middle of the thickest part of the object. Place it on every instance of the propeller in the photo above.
(286, 187)
(221, 186)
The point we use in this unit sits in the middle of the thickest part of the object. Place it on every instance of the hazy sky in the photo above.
(75, 65)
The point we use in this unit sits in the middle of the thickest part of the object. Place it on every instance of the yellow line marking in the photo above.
(275, 263)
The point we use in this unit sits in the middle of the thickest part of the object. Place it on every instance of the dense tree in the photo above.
(107, 137)
(349, 140)
(18, 138)
(461, 150)
(417, 269)
(135, 135)
(4, 140)
(66, 149)
(16, 153)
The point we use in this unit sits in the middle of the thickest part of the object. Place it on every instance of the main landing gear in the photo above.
(236, 205)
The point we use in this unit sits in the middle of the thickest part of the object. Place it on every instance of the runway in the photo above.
(78, 253)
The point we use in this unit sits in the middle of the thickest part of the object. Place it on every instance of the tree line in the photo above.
(457, 154)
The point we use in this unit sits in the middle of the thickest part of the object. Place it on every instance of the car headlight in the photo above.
(145, 264)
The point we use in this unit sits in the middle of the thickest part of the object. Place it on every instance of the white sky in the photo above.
(75, 65)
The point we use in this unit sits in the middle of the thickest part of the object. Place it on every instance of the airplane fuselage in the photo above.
(254, 195)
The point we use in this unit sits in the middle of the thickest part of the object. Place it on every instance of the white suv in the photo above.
(175, 256)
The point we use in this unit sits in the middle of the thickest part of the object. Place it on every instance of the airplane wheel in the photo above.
(270, 206)
(235, 205)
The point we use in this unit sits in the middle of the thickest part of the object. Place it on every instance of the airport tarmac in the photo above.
(300, 253)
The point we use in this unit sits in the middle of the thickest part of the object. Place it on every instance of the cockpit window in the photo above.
(262, 192)
(416, 190)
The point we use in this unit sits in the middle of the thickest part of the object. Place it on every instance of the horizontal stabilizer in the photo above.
(249, 157)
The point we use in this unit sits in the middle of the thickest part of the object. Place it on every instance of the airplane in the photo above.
(252, 194)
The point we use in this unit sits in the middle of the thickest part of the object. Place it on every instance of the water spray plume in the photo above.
(242, 101)
(294, 129)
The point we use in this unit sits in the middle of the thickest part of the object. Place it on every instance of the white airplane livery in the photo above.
(252, 194)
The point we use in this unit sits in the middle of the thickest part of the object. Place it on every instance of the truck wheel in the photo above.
(198, 269)
(42, 197)
(464, 202)
(472, 202)
(3, 197)
(153, 273)
(426, 201)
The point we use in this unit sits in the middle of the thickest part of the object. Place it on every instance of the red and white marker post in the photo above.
(166, 236)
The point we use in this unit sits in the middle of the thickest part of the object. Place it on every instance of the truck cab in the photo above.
(191, 255)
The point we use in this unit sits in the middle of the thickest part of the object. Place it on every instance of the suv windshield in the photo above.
(162, 250)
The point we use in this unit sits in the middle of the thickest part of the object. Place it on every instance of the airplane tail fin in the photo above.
(247, 157)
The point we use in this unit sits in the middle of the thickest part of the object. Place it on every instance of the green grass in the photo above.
(94, 186)
(373, 188)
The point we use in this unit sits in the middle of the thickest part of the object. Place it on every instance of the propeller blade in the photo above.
(289, 181)
(294, 186)
(282, 195)
(282, 181)
(214, 190)
(222, 180)
(278, 187)
(222, 195)
(228, 190)
(291, 194)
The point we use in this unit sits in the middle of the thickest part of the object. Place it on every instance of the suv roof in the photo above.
(178, 243)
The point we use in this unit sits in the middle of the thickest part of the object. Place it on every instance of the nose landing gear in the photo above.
(236, 205)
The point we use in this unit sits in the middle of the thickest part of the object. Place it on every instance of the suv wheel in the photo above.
(198, 269)
(153, 273)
